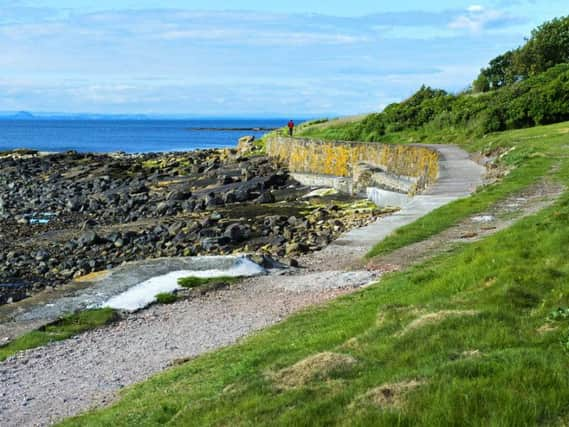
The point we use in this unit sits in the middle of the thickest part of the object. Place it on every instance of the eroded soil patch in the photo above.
(499, 217)
(390, 396)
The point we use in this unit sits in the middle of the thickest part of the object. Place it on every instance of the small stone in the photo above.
(293, 263)
(266, 197)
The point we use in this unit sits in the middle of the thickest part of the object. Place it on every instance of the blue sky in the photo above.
(248, 57)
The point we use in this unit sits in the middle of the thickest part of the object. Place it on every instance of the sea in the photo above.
(129, 136)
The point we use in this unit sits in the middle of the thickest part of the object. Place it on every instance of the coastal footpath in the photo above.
(41, 385)
(468, 324)
(469, 313)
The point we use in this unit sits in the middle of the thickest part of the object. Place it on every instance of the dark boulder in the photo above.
(138, 188)
(230, 197)
(74, 204)
(236, 232)
(224, 180)
(189, 205)
(179, 195)
(209, 232)
(242, 195)
(212, 201)
(267, 262)
(90, 238)
(212, 243)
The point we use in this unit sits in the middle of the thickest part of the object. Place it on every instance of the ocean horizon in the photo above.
(130, 136)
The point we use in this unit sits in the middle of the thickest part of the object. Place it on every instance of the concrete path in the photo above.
(459, 176)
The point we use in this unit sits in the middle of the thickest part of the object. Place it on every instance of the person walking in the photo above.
(290, 128)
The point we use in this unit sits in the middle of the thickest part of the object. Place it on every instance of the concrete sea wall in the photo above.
(407, 169)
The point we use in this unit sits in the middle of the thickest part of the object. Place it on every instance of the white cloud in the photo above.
(255, 37)
(475, 8)
(478, 18)
(193, 62)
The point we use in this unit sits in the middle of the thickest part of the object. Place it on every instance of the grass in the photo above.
(468, 338)
(64, 328)
(166, 298)
(198, 282)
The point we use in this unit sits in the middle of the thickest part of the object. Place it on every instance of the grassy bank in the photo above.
(64, 328)
(470, 338)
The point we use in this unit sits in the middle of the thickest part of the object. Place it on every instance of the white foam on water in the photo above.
(144, 294)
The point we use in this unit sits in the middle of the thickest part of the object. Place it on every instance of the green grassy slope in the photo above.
(466, 339)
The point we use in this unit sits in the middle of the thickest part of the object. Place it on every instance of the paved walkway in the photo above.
(458, 177)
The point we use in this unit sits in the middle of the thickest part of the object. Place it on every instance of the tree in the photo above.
(482, 83)
(548, 46)
(500, 72)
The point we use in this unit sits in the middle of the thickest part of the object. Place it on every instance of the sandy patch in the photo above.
(469, 354)
(432, 318)
(547, 328)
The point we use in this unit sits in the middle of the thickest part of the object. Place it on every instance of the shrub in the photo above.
(166, 298)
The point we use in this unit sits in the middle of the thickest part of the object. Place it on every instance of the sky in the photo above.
(298, 58)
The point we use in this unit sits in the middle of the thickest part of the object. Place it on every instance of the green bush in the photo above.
(166, 298)
(520, 89)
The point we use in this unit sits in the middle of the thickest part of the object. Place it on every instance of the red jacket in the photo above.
(290, 124)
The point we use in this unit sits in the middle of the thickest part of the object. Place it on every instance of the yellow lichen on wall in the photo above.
(340, 158)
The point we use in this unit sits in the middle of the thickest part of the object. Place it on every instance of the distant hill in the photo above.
(25, 115)
(34, 115)
(22, 115)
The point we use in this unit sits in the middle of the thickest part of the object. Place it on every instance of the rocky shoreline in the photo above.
(66, 215)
